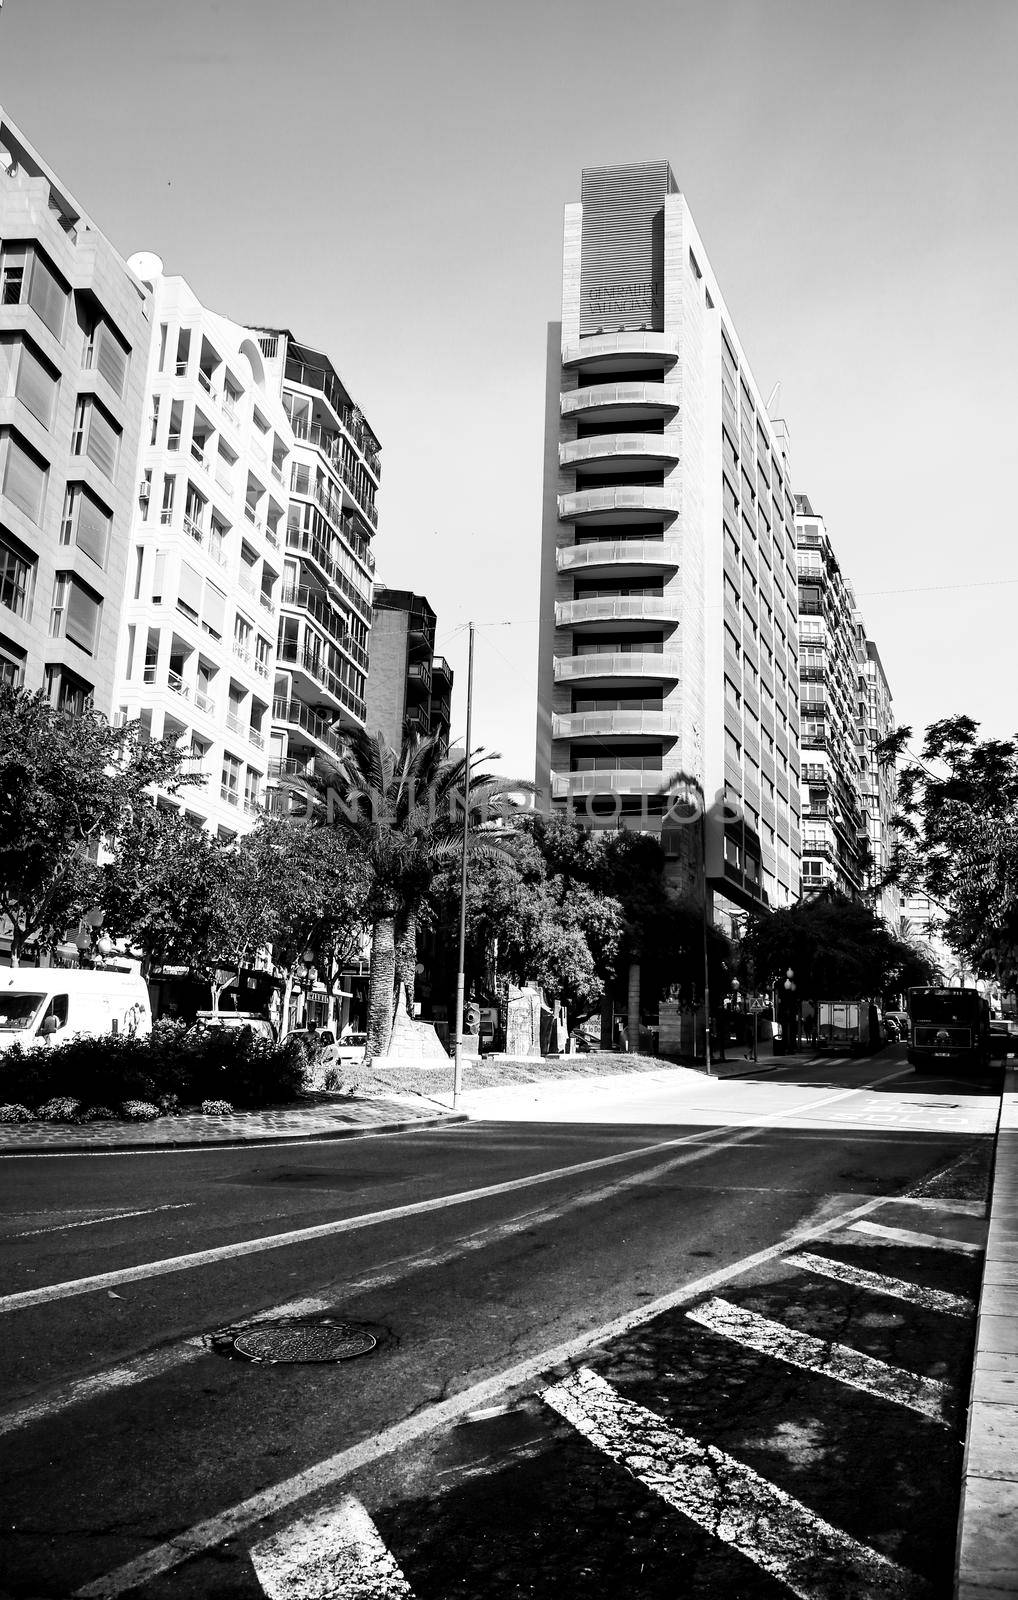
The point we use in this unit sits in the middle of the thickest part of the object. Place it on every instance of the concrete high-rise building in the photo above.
(198, 647)
(74, 341)
(328, 567)
(848, 796)
(668, 648)
(409, 687)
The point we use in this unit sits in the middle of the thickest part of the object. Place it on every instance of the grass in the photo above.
(490, 1072)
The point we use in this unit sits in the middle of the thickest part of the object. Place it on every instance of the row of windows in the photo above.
(28, 277)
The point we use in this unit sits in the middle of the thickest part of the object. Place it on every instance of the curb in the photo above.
(231, 1142)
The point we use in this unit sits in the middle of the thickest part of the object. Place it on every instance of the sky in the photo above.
(387, 179)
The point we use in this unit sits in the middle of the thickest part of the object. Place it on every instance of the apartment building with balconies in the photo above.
(668, 644)
(197, 659)
(409, 689)
(832, 674)
(879, 784)
(328, 563)
(74, 342)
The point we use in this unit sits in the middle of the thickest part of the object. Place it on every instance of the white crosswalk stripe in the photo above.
(337, 1555)
(815, 1560)
(929, 1241)
(955, 1305)
(830, 1360)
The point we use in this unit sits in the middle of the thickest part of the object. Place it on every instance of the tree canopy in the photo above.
(838, 949)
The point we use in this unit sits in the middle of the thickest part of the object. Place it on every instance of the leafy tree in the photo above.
(401, 814)
(958, 837)
(68, 784)
(155, 890)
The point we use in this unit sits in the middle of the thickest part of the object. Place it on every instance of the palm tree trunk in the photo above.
(406, 960)
(380, 986)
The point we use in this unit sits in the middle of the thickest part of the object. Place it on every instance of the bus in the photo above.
(948, 1028)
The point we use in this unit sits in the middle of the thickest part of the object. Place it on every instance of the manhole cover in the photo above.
(305, 1342)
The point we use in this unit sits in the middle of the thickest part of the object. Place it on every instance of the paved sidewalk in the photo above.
(988, 1523)
(327, 1117)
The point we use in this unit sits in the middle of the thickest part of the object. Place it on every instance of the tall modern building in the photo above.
(668, 648)
(848, 796)
(74, 341)
(409, 687)
(328, 563)
(198, 639)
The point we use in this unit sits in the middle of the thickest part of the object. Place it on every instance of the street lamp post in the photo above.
(789, 987)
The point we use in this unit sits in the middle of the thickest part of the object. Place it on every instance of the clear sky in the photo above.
(387, 177)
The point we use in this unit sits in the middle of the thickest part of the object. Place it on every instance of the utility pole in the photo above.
(457, 1077)
(706, 974)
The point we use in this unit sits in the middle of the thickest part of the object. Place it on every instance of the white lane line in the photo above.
(337, 1555)
(400, 1435)
(955, 1305)
(824, 1357)
(811, 1557)
(143, 1368)
(164, 1361)
(931, 1241)
(93, 1222)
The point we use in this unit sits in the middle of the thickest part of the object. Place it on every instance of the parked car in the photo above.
(351, 1046)
(235, 1021)
(321, 1042)
(1003, 1038)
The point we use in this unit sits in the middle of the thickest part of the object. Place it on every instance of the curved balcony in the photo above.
(622, 397)
(627, 348)
(634, 502)
(617, 608)
(637, 449)
(624, 556)
(626, 724)
(611, 781)
(611, 666)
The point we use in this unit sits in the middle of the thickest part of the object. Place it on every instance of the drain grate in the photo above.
(303, 1342)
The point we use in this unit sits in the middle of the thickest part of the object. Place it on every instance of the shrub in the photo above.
(216, 1108)
(138, 1110)
(62, 1108)
(98, 1114)
(15, 1113)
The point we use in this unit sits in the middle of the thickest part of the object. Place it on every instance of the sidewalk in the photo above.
(988, 1522)
(327, 1117)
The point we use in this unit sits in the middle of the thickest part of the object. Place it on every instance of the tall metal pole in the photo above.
(457, 1076)
(706, 973)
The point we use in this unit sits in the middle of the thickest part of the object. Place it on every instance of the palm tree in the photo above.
(403, 815)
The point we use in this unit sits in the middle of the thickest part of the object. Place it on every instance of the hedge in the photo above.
(172, 1068)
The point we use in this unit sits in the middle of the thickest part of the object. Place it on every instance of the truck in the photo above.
(948, 1028)
(48, 1005)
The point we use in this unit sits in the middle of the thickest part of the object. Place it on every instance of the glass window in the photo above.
(17, 571)
(86, 522)
(47, 295)
(12, 662)
(24, 478)
(76, 612)
(105, 353)
(36, 385)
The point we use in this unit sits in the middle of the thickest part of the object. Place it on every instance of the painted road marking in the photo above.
(277, 1241)
(931, 1241)
(400, 1435)
(811, 1557)
(956, 1305)
(93, 1222)
(338, 1555)
(823, 1356)
(128, 1373)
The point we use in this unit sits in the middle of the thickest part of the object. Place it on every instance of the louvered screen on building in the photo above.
(622, 256)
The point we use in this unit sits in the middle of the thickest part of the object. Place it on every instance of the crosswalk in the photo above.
(338, 1552)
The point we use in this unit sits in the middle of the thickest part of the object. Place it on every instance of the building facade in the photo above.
(198, 649)
(879, 785)
(668, 648)
(328, 562)
(409, 688)
(74, 341)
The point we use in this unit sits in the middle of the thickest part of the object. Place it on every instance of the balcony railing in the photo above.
(175, 682)
(618, 552)
(617, 608)
(598, 724)
(193, 531)
(323, 610)
(660, 664)
(204, 703)
(307, 544)
(324, 676)
(266, 601)
(296, 714)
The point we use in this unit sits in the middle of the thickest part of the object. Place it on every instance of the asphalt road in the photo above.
(649, 1281)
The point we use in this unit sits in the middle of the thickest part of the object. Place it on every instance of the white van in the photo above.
(47, 1005)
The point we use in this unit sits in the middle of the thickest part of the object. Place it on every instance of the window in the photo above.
(23, 479)
(17, 573)
(189, 591)
(26, 277)
(95, 435)
(65, 690)
(229, 787)
(252, 784)
(12, 663)
(76, 612)
(169, 484)
(155, 419)
(213, 618)
(86, 523)
(163, 330)
(106, 355)
(29, 378)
